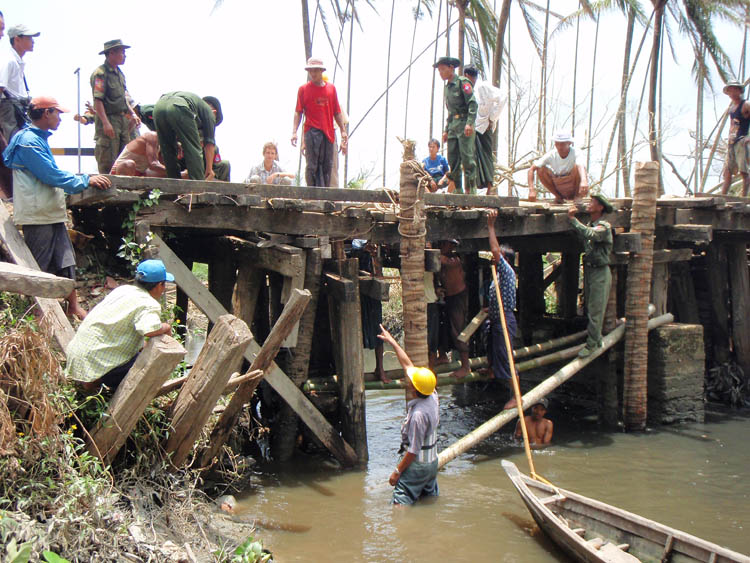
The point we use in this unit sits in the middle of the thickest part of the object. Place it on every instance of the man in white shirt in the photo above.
(559, 172)
(489, 105)
(13, 87)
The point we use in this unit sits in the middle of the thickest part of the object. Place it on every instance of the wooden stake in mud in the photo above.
(411, 226)
(639, 289)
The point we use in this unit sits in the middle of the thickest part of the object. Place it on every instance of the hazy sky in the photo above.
(251, 56)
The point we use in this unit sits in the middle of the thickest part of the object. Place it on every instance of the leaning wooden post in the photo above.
(263, 360)
(284, 434)
(411, 226)
(346, 335)
(220, 357)
(642, 221)
(141, 384)
(740, 282)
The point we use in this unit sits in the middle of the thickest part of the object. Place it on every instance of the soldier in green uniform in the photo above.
(191, 120)
(114, 117)
(459, 134)
(597, 278)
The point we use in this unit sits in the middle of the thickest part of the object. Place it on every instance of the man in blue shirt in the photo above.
(39, 193)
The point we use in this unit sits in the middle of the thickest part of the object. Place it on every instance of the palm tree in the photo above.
(480, 37)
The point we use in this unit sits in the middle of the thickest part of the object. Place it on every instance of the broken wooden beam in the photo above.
(376, 288)
(261, 359)
(53, 317)
(154, 364)
(220, 356)
(473, 326)
(340, 288)
(686, 233)
(27, 281)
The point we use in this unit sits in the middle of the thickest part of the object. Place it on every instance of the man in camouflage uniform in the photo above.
(459, 134)
(115, 118)
(597, 278)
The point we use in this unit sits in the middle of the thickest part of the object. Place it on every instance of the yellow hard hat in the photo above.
(423, 379)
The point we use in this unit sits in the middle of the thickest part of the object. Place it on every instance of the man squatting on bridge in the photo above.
(415, 475)
(559, 172)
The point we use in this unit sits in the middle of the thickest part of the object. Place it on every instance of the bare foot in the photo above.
(511, 404)
(383, 377)
(77, 312)
(442, 360)
(461, 372)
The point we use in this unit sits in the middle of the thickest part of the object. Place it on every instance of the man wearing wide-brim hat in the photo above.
(459, 134)
(559, 172)
(318, 101)
(597, 278)
(114, 118)
(738, 146)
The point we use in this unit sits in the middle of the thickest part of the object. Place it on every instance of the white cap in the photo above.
(562, 137)
(21, 29)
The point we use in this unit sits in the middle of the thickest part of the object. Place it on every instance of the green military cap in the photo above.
(734, 84)
(146, 112)
(450, 61)
(112, 44)
(601, 198)
(214, 103)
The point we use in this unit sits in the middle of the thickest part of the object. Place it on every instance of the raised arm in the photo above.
(403, 359)
(494, 245)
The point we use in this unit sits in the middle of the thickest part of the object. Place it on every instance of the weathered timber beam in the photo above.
(473, 326)
(661, 256)
(378, 289)
(627, 242)
(53, 317)
(274, 375)
(689, 202)
(339, 287)
(23, 280)
(92, 196)
(726, 220)
(686, 233)
(281, 258)
(142, 383)
(551, 278)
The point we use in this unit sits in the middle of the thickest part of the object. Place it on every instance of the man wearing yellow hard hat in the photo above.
(415, 475)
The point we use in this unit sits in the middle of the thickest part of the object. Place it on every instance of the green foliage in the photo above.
(200, 271)
(131, 250)
(52, 557)
(249, 551)
(14, 310)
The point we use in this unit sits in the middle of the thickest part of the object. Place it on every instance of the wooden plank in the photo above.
(53, 317)
(376, 288)
(627, 242)
(340, 288)
(283, 259)
(661, 256)
(261, 359)
(23, 280)
(740, 287)
(346, 337)
(473, 326)
(687, 202)
(220, 356)
(468, 200)
(245, 298)
(274, 375)
(111, 195)
(155, 363)
(689, 233)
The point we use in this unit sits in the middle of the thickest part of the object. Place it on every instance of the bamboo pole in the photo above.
(638, 292)
(540, 391)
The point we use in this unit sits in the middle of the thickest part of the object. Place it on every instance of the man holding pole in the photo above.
(597, 278)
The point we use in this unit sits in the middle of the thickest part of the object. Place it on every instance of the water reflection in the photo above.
(691, 477)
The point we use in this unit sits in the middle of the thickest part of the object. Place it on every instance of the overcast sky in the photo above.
(251, 56)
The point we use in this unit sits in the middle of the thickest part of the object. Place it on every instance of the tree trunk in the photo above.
(621, 137)
(434, 72)
(411, 56)
(575, 74)
(639, 288)
(542, 123)
(306, 29)
(591, 93)
(653, 134)
(497, 61)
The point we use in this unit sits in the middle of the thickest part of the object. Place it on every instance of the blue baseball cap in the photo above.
(152, 271)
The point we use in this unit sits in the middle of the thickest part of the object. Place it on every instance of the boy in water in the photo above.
(538, 427)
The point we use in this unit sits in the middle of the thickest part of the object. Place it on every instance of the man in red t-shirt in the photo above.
(318, 101)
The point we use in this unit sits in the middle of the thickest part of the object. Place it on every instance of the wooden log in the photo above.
(222, 275)
(274, 375)
(718, 284)
(687, 233)
(346, 337)
(262, 360)
(540, 391)
(26, 281)
(636, 306)
(53, 318)
(740, 284)
(682, 293)
(567, 294)
(220, 356)
(246, 290)
(340, 288)
(284, 434)
(519, 353)
(155, 363)
(234, 381)
(378, 289)
(473, 326)
(531, 304)
(627, 242)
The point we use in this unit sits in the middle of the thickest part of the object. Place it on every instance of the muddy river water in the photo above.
(693, 477)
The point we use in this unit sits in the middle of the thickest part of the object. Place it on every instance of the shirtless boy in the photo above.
(538, 427)
(140, 157)
(452, 279)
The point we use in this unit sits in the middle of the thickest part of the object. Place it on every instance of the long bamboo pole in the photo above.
(387, 93)
(591, 93)
(540, 391)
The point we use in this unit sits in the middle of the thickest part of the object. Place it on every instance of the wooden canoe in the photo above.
(591, 531)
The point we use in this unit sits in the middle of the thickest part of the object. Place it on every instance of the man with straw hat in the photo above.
(319, 102)
(114, 116)
(559, 172)
(597, 278)
(415, 475)
(738, 157)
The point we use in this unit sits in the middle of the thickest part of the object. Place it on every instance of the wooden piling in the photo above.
(682, 300)
(607, 381)
(284, 434)
(642, 220)
(740, 284)
(154, 365)
(567, 284)
(531, 304)
(411, 226)
(718, 286)
(220, 356)
(346, 337)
